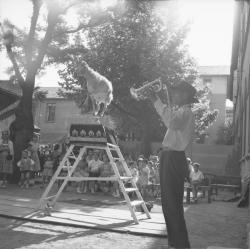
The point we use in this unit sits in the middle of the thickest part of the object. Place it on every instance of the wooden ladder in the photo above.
(69, 164)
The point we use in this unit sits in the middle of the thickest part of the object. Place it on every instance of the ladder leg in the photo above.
(55, 177)
(122, 186)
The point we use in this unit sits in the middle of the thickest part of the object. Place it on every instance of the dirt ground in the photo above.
(219, 224)
(16, 234)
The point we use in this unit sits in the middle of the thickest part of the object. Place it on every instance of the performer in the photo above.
(179, 120)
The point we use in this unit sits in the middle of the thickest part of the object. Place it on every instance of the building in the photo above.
(54, 114)
(239, 86)
(9, 99)
(217, 78)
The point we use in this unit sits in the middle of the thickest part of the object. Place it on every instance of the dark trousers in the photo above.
(173, 170)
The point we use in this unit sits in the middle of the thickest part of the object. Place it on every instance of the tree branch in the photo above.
(52, 20)
(30, 42)
(121, 109)
(59, 53)
(15, 66)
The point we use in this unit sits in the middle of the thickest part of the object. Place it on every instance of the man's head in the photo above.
(183, 93)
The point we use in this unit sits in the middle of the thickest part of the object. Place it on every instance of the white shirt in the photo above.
(196, 176)
(94, 165)
(180, 124)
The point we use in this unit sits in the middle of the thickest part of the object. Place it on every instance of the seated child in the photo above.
(26, 165)
(82, 171)
(196, 177)
(134, 171)
(116, 187)
(143, 179)
(94, 170)
(47, 170)
(106, 170)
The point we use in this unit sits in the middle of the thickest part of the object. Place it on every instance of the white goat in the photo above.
(100, 90)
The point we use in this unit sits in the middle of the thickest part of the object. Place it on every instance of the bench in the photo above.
(232, 183)
(205, 187)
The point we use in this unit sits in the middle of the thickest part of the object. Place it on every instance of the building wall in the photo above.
(240, 85)
(64, 111)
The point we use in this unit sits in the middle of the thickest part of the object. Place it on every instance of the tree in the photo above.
(31, 52)
(134, 48)
(225, 134)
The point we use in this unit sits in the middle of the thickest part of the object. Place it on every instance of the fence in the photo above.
(213, 158)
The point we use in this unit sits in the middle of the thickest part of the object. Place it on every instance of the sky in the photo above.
(209, 39)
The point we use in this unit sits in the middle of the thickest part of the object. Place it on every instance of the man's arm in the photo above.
(162, 109)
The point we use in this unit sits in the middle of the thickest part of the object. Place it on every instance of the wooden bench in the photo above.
(232, 183)
(205, 187)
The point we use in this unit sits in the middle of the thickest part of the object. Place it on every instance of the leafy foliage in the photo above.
(134, 48)
(225, 134)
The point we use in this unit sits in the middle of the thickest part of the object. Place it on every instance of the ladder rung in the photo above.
(136, 203)
(72, 157)
(130, 189)
(126, 178)
(86, 178)
(118, 159)
(49, 197)
(112, 145)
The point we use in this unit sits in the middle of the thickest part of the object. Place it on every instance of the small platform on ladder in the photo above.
(95, 136)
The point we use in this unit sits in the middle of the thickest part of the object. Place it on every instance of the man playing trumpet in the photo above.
(179, 119)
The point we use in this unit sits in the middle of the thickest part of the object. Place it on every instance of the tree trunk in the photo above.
(146, 142)
(21, 129)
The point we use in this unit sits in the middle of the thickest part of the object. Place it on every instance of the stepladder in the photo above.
(121, 175)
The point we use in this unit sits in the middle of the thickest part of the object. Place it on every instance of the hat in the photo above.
(141, 159)
(183, 86)
(197, 165)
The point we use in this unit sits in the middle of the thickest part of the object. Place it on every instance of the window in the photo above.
(207, 80)
(50, 112)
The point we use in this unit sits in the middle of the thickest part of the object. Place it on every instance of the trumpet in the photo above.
(148, 88)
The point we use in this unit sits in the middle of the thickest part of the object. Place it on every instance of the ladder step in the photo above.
(124, 178)
(136, 203)
(130, 189)
(112, 145)
(49, 197)
(118, 159)
(87, 178)
(72, 157)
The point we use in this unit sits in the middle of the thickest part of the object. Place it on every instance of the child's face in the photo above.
(196, 168)
(24, 155)
(140, 164)
(35, 139)
(105, 158)
(96, 156)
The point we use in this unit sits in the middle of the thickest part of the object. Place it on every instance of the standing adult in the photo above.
(6, 158)
(34, 148)
(179, 120)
